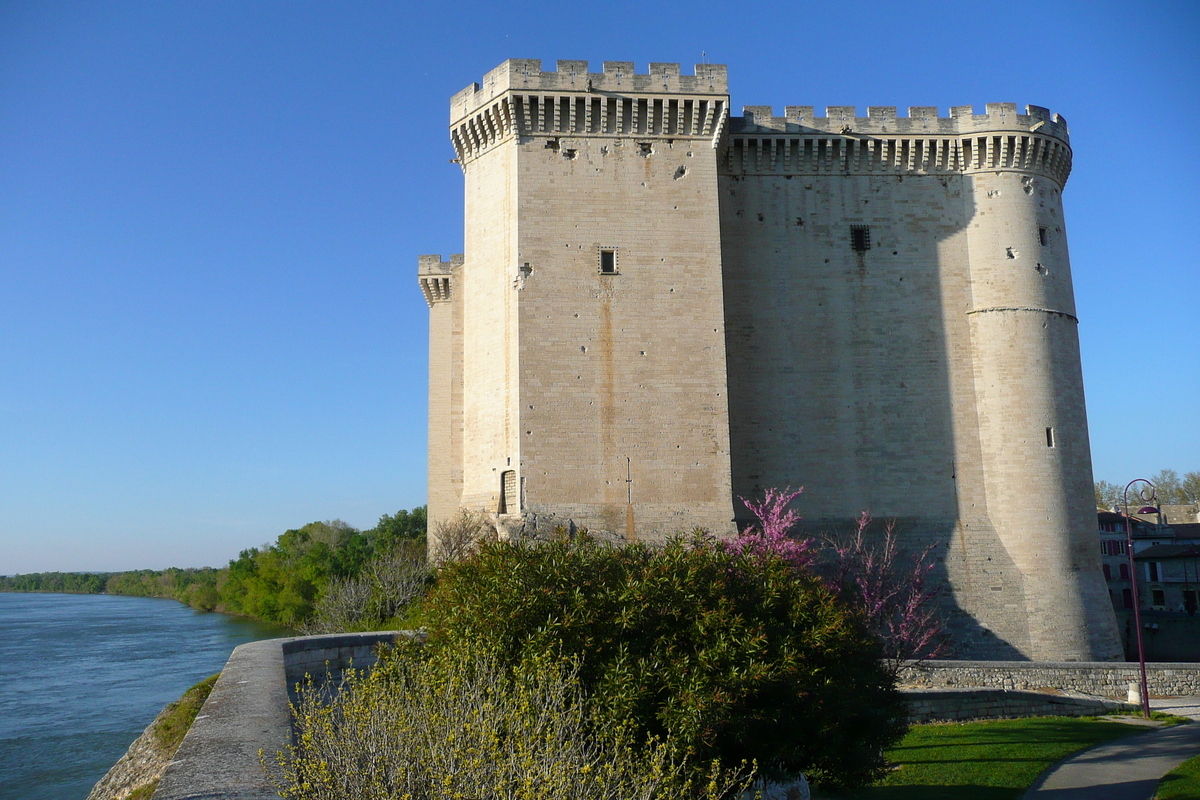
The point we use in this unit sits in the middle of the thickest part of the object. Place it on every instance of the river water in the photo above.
(82, 675)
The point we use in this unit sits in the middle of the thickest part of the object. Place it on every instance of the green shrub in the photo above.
(735, 657)
(421, 727)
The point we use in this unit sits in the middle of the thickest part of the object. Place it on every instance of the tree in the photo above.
(1108, 495)
(773, 534)
(1170, 488)
(891, 591)
(403, 526)
(1191, 487)
(1174, 491)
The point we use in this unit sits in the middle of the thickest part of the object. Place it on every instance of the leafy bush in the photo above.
(422, 728)
(735, 656)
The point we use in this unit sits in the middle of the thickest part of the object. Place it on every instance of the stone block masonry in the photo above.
(962, 705)
(662, 307)
(1103, 679)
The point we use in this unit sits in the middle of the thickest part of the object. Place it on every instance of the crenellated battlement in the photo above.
(884, 142)
(525, 75)
(884, 120)
(434, 276)
(845, 154)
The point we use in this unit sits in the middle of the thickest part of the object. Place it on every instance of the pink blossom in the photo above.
(772, 535)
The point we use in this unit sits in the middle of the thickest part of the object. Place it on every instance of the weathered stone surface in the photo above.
(247, 711)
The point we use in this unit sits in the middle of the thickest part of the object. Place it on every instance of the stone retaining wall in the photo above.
(248, 711)
(958, 705)
(1104, 678)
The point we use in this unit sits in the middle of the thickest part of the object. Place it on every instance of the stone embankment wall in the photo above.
(1103, 678)
(958, 705)
(136, 774)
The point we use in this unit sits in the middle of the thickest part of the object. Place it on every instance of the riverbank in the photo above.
(136, 774)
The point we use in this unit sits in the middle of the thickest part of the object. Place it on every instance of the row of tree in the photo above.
(279, 583)
(1172, 490)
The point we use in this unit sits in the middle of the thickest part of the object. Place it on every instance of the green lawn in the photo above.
(994, 760)
(1181, 783)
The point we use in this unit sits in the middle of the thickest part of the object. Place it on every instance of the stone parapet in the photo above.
(884, 120)
(248, 712)
(616, 77)
(757, 150)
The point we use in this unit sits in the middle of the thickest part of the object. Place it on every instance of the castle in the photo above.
(662, 307)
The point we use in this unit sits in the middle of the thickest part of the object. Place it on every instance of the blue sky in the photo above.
(210, 214)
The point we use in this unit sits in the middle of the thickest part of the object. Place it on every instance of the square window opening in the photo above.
(608, 262)
(860, 238)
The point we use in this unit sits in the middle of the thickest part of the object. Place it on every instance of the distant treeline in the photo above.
(277, 583)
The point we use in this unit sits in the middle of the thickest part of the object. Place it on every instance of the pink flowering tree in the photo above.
(773, 533)
(872, 574)
(892, 591)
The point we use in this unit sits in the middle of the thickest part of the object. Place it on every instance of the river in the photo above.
(82, 675)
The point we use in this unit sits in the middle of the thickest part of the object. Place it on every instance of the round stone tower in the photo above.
(1033, 434)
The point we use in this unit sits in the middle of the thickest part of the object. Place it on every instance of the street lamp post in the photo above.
(1148, 496)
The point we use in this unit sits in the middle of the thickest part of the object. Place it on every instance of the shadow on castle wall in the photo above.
(850, 374)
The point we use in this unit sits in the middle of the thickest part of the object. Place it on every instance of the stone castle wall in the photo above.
(623, 405)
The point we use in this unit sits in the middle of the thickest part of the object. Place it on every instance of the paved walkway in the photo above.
(1127, 769)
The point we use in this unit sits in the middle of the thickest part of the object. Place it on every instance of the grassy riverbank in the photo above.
(136, 775)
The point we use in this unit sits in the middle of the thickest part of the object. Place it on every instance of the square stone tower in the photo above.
(577, 348)
(662, 308)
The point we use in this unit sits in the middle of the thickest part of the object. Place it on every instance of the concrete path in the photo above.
(1127, 769)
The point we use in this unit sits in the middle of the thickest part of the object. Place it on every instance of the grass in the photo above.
(994, 760)
(180, 715)
(144, 792)
(1181, 783)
